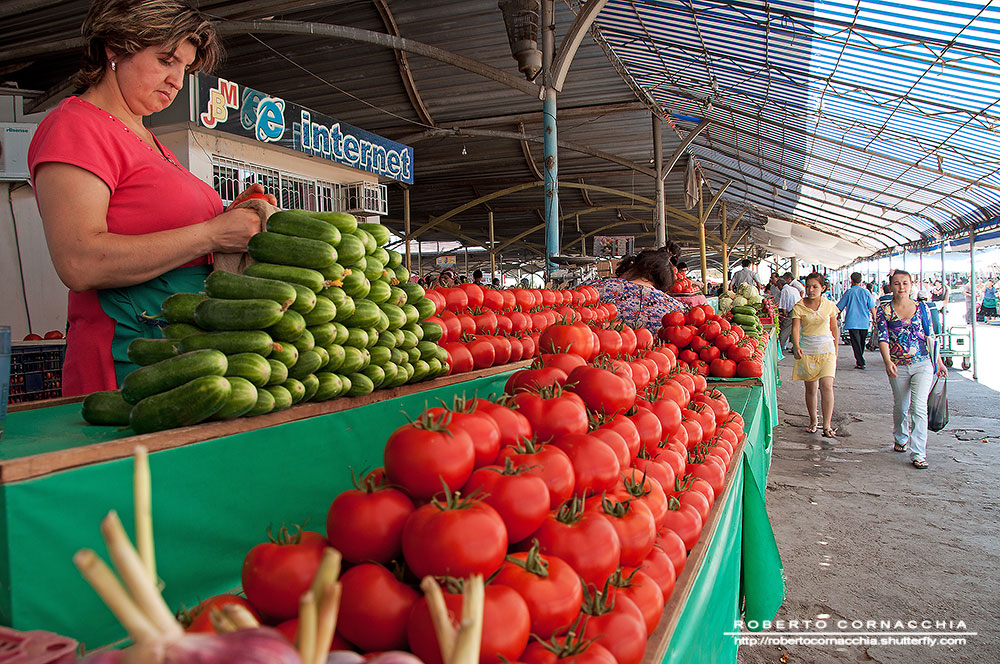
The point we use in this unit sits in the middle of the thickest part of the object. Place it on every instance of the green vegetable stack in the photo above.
(326, 311)
(743, 309)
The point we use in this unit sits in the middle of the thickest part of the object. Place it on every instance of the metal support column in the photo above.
(493, 246)
(944, 286)
(468, 276)
(701, 239)
(551, 139)
(972, 285)
(725, 250)
(661, 215)
(420, 261)
(406, 225)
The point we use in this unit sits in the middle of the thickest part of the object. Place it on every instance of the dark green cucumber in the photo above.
(265, 404)
(144, 352)
(324, 356)
(367, 239)
(242, 399)
(381, 255)
(107, 408)
(375, 374)
(380, 355)
(287, 222)
(282, 397)
(324, 312)
(309, 362)
(333, 272)
(179, 307)
(345, 222)
(425, 308)
(336, 354)
(345, 385)
(229, 315)
(356, 285)
(305, 298)
(413, 291)
(329, 387)
(399, 296)
(342, 333)
(381, 292)
(360, 385)
(323, 334)
(412, 314)
(432, 331)
(428, 349)
(180, 330)
(285, 353)
(230, 343)
(345, 310)
(374, 269)
(395, 259)
(389, 371)
(279, 372)
(397, 318)
(379, 233)
(251, 366)
(350, 250)
(290, 250)
(366, 314)
(288, 328)
(311, 383)
(230, 286)
(303, 276)
(305, 342)
(172, 372)
(181, 406)
(402, 274)
(296, 389)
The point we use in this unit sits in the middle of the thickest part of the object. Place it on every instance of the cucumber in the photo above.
(230, 343)
(342, 333)
(398, 356)
(265, 404)
(366, 314)
(305, 298)
(324, 356)
(242, 398)
(395, 259)
(251, 366)
(413, 292)
(179, 307)
(279, 372)
(282, 397)
(387, 340)
(181, 330)
(336, 354)
(226, 315)
(323, 312)
(357, 337)
(355, 359)
(432, 331)
(409, 340)
(744, 319)
(413, 354)
(356, 285)
(397, 318)
(744, 309)
(367, 239)
(347, 223)
(390, 371)
(375, 374)
(402, 274)
(181, 406)
(330, 386)
(381, 292)
(350, 250)
(379, 233)
(323, 334)
(428, 349)
(373, 336)
(288, 328)
(360, 385)
(296, 389)
(309, 362)
(230, 286)
(345, 310)
(172, 372)
(399, 297)
(107, 407)
(411, 313)
(311, 383)
(289, 250)
(381, 255)
(374, 269)
(305, 342)
(420, 371)
(286, 353)
(334, 272)
(425, 308)
(287, 222)
(380, 355)
(303, 276)
(144, 351)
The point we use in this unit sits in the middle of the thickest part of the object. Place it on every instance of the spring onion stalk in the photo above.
(103, 581)
(307, 628)
(143, 499)
(443, 627)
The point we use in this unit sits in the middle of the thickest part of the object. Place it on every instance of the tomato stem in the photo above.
(533, 562)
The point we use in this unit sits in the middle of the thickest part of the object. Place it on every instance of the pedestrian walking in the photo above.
(906, 341)
(786, 302)
(814, 343)
(858, 306)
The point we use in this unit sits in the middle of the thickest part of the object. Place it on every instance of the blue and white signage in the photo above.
(236, 109)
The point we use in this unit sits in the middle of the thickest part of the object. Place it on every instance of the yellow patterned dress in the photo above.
(819, 349)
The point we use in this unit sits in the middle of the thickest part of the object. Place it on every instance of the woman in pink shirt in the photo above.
(125, 223)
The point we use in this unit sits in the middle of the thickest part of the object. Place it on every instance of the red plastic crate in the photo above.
(36, 647)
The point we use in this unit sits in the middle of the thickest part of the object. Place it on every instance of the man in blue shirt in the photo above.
(859, 304)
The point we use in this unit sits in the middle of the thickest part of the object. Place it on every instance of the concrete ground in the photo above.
(863, 535)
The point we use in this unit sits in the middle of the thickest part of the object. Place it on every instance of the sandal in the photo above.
(829, 432)
(812, 428)
(920, 464)
(896, 447)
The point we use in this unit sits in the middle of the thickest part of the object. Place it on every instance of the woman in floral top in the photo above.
(906, 340)
(638, 288)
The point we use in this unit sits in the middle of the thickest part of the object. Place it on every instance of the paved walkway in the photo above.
(865, 536)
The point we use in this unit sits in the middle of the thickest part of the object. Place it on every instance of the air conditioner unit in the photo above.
(365, 197)
(14, 140)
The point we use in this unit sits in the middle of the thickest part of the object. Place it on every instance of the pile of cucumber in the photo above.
(326, 311)
(747, 317)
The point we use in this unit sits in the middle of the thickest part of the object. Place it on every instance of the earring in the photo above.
(114, 66)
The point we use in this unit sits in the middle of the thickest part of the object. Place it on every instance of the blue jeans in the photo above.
(910, 389)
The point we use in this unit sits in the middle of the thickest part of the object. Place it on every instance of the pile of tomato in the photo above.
(682, 284)
(709, 345)
(578, 493)
(485, 327)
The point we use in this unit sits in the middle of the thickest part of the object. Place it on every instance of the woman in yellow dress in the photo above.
(814, 342)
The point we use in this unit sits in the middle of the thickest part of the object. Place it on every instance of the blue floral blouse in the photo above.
(907, 339)
(643, 305)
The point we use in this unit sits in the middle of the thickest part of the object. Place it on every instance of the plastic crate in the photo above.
(36, 371)
(35, 647)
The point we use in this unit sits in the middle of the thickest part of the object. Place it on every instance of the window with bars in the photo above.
(230, 177)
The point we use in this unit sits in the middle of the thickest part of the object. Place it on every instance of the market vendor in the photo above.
(126, 224)
(639, 287)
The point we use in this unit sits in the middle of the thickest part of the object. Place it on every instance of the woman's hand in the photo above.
(797, 352)
(230, 231)
(942, 370)
(890, 369)
(255, 190)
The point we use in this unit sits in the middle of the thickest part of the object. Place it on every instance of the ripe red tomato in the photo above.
(366, 523)
(455, 299)
(709, 354)
(705, 417)
(638, 486)
(627, 430)
(521, 500)
(709, 329)
(198, 619)
(717, 401)
(546, 461)
(482, 429)
(375, 608)
(673, 546)
(629, 340)
(749, 369)
(419, 456)
(675, 459)
(676, 391)
(739, 352)
(483, 353)
(614, 440)
(649, 427)
(714, 474)
(674, 318)
(519, 322)
(583, 539)
(532, 380)
(610, 341)
(667, 412)
(722, 368)
(564, 361)
(679, 335)
(567, 338)
(634, 524)
(493, 299)
(459, 357)
(621, 629)
(700, 485)
(275, 574)
(506, 626)
(685, 521)
(569, 651)
(454, 537)
(643, 338)
(697, 500)
(530, 347)
(475, 293)
(660, 569)
(601, 390)
(644, 592)
(595, 465)
(435, 296)
(513, 425)
(551, 417)
(554, 599)
(695, 316)
(689, 356)
(516, 349)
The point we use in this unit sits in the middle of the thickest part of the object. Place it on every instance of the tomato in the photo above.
(422, 455)
(673, 319)
(513, 425)
(555, 416)
(680, 335)
(725, 340)
(739, 352)
(532, 380)
(567, 338)
(482, 429)
(474, 293)
(700, 485)
(717, 401)
(275, 574)
(621, 629)
(676, 391)
(483, 353)
(506, 626)
(633, 522)
(629, 340)
(455, 299)
(547, 462)
(549, 586)
(437, 298)
(640, 374)
(523, 298)
(519, 321)
(601, 390)
(675, 459)
(645, 593)
(563, 361)
(366, 523)
(699, 343)
(627, 430)
(529, 346)
(493, 299)
(643, 338)
(595, 465)
(198, 619)
(683, 520)
(455, 536)
(649, 427)
(459, 356)
(582, 538)
(705, 417)
(521, 500)
(695, 434)
(568, 651)
(636, 485)
(516, 349)
(452, 327)
(610, 341)
(688, 356)
(375, 608)
(654, 468)
(722, 368)
(709, 353)
(660, 569)
(710, 329)
(614, 440)
(695, 316)
(697, 500)
(684, 378)
(749, 369)
(661, 360)
(714, 474)
(673, 546)
(667, 412)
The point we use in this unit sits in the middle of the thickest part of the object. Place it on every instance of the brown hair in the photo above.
(654, 265)
(128, 26)
(816, 276)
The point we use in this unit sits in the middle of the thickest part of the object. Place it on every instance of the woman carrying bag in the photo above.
(906, 341)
